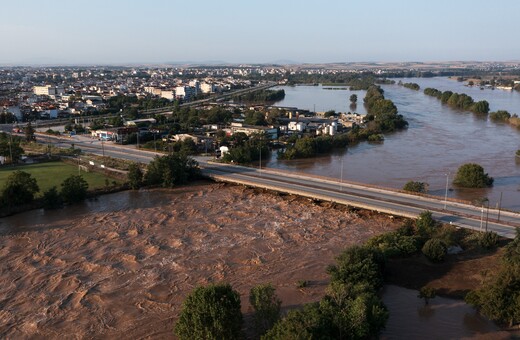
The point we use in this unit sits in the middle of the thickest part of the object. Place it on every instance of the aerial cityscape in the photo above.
(247, 170)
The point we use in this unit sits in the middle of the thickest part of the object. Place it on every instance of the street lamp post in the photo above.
(260, 161)
(487, 216)
(499, 205)
(446, 194)
(341, 180)
(481, 217)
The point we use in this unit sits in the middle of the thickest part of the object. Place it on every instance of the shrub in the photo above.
(434, 250)
(52, 199)
(427, 293)
(425, 225)
(211, 312)
(135, 176)
(413, 186)
(302, 283)
(488, 240)
(394, 244)
(266, 305)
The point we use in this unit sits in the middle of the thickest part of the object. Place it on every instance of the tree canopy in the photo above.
(472, 175)
(74, 189)
(19, 188)
(211, 312)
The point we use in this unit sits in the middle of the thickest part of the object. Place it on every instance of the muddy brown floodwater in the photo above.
(122, 265)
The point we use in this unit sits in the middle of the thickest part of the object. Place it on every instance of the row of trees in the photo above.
(459, 101)
(382, 114)
(165, 171)
(262, 96)
(411, 86)
(21, 188)
(213, 312)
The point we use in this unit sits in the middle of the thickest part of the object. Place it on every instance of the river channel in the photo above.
(438, 140)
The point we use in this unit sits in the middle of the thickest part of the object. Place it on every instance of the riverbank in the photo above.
(123, 264)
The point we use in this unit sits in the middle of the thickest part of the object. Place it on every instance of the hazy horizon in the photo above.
(233, 32)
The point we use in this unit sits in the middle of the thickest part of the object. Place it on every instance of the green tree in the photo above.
(211, 312)
(435, 250)
(19, 188)
(353, 98)
(29, 132)
(266, 306)
(10, 147)
(512, 254)
(74, 189)
(472, 175)
(500, 116)
(255, 118)
(52, 199)
(425, 225)
(173, 169)
(413, 186)
(427, 293)
(359, 264)
(480, 107)
(135, 176)
(498, 297)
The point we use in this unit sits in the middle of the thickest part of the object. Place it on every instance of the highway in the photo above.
(384, 200)
(210, 99)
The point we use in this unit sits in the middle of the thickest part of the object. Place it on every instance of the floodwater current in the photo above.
(438, 140)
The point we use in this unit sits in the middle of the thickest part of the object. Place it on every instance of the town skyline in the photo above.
(163, 32)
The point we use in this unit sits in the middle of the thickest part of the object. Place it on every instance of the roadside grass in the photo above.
(51, 174)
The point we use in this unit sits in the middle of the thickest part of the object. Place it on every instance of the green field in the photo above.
(52, 174)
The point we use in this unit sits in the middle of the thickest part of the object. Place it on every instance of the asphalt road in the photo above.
(387, 201)
(378, 199)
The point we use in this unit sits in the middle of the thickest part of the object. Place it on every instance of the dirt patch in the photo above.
(453, 278)
(122, 265)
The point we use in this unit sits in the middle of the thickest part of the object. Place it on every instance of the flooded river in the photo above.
(438, 140)
(442, 318)
(121, 265)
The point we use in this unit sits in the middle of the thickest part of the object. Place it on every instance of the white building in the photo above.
(208, 88)
(170, 95)
(184, 92)
(296, 126)
(48, 90)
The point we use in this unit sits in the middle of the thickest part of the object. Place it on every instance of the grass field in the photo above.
(53, 174)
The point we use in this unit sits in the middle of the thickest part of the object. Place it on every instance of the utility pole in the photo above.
(260, 163)
(487, 216)
(341, 181)
(10, 148)
(481, 217)
(446, 195)
(499, 205)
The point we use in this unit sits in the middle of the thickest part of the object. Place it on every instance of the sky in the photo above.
(79, 32)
